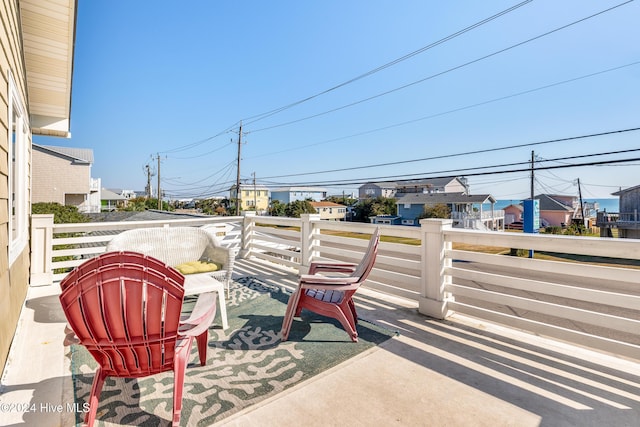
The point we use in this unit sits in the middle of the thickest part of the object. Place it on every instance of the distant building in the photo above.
(251, 197)
(111, 201)
(372, 190)
(330, 210)
(387, 220)
(292, 194)
(513, 213)
(466, 210)
(627, 220)
(63, 175)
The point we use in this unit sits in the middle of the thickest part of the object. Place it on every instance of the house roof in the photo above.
(326, 205)
(619, 192)
(84, 155)
(383, 184)
(250, 187)
(515, 206)
(435, 182)
(436, 198)
(110, 195)
(548, 203)
(48, 35)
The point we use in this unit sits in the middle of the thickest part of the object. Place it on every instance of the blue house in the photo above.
(291, 194)
(464, 207)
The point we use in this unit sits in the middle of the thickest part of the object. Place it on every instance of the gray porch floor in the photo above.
(459, 372)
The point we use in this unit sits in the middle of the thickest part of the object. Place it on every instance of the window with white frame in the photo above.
(18, 173)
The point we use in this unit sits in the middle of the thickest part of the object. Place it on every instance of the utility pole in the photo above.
(532, 160)
(159, 192)
(255, 195)
(238, 175)
(581, 205)
(149, 175)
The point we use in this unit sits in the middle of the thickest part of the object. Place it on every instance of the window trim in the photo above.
(18, 173)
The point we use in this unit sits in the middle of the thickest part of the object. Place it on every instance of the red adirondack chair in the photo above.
(331, 296)
(124, 307)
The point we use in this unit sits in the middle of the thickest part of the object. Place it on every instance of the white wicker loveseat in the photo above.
(178, 245)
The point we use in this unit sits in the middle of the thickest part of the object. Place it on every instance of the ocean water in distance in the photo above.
(610, 205)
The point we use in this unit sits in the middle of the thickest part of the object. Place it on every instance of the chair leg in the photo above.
(94, 397)
(179, 368)
(346, 320)
(352, 307)
(288, 316)
(202, 341)
(223, 308)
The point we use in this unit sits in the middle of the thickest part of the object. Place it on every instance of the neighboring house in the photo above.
(513, 213)
(627, 220)
(387, 220)
(432, 186)
(291, 194)
(36, 62)
(251, 197)
(557, 210)
(467, 210)
(372, 190)
(63, 175)
(330, 210)
(127, 194)
(111, 201)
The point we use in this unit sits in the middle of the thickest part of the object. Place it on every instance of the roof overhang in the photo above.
(48, 34)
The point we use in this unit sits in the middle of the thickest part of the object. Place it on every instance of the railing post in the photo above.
(248, 224)
(308, 241)
(41, 250)
(433, 299)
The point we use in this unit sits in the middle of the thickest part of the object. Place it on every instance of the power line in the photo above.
(446, 156)
(455, 110)
(445, 71)
(270, 113)
(202, 141)
(425, 175)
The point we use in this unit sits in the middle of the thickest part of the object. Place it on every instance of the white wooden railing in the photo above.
(435, 264)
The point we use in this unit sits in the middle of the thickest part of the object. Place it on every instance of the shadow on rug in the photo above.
(246, 363)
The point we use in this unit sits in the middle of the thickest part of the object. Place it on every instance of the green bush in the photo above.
(553, 229)
(61, 214)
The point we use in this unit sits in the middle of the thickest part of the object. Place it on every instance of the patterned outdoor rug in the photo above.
(246, 363)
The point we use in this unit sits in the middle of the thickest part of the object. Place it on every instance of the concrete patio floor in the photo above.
(459, 372)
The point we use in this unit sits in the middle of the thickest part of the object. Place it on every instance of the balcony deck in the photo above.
(454, 372)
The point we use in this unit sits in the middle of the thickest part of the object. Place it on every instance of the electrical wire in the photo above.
(455, 110)
(270, 113)
(427, 175)
(445, 71)
(466, 153)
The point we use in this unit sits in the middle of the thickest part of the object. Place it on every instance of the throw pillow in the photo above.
(193, 267)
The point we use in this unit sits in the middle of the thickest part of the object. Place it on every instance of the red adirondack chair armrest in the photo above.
(323, 282)
(201, 316)
(334, 267)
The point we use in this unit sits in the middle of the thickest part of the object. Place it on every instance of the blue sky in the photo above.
(176, 79)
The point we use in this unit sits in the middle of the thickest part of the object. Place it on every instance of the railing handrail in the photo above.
(425, 268)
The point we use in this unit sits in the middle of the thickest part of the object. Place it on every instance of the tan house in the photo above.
(330, 210)
(63, 175)
(36, 63)
(251, 197)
